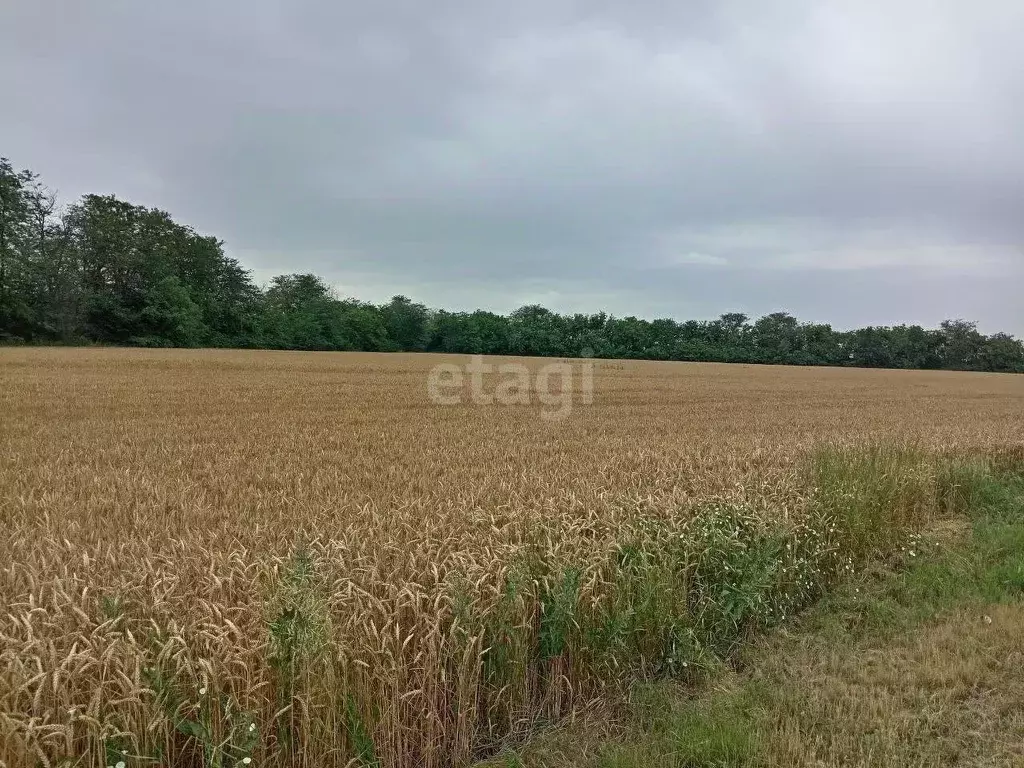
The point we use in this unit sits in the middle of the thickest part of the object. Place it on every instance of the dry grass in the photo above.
(946, 694)
(298, 559)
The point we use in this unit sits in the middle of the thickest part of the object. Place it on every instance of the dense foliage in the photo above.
(105, 271)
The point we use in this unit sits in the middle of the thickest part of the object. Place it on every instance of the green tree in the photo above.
(16, 316)
(961, 345)
(299, 313)
(123, 250)
(170, 317)
(454, 332)
(407, 324)
(362, 327)
(1002, 352)
(534, 330)
(109, 271)
(776, 338)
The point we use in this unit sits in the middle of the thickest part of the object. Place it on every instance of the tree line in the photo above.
(104, 271)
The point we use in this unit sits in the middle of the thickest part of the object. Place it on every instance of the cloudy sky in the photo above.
(853, 162)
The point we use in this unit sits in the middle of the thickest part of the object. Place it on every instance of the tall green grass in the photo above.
(862, 505)
(675, 601)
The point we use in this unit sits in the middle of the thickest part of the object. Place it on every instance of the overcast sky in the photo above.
(853, 162)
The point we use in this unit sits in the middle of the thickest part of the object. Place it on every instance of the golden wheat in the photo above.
(214, 557)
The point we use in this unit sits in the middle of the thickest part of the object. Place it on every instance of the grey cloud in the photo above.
(854, 163)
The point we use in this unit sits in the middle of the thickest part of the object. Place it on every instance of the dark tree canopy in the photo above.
(105, 271)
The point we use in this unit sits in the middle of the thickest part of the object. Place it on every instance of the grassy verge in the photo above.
(916, 660)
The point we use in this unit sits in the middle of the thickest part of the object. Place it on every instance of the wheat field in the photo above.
(220, 558)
